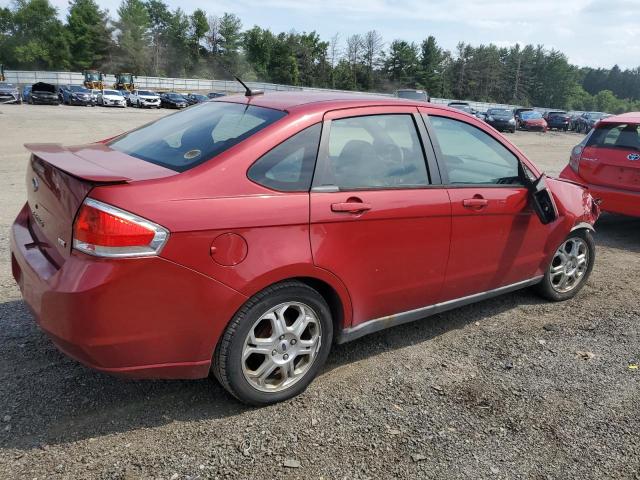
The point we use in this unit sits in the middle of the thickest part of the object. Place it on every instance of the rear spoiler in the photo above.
(97, 163)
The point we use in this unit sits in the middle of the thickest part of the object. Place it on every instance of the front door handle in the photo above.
(475, 202)
(350, 207)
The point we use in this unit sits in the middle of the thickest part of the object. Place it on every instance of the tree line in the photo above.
(148, 38)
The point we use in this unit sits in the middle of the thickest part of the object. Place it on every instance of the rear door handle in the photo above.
(350, 207)
(475, 202)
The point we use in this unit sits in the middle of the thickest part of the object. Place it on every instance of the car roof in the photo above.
(630, 117)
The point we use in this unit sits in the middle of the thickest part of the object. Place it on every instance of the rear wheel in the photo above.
(570, 267)
(275, 345)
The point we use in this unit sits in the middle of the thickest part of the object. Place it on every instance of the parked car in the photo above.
(194, 98)
(481, 115)
(607, 160)
(412, 94)
(243, 237)
(144, 98)
(173, 100)
(557, 119)
(517, 114)
(573, 119)
(94, 95)
(532, 121)
(501, 119)
(127, 96)
(216, 94)
(464, 106)
(112, 98)
(9, 93)
(76, 95)
(587, 120)
(26, 93)
(44, 93)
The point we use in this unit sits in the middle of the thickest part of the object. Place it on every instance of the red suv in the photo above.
(245, 236)
(607, 160)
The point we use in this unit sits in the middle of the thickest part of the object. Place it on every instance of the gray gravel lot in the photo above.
(493, 390)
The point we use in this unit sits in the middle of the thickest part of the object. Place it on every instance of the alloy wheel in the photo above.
(569, 265)
(281, 347)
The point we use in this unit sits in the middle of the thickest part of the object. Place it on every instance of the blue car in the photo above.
(26, 93)
(75, 95)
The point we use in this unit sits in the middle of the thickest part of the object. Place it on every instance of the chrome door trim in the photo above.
(377, 324)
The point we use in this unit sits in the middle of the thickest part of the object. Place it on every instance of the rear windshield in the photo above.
(529, 115)
(412, 94)
(199, 133)
(147, 92)
(624, 135)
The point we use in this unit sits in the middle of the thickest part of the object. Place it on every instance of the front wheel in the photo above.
(275, 345)
(570, 267)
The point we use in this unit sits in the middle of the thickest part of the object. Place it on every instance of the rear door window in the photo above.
(625, 136)
(195, 135)
(374, 152)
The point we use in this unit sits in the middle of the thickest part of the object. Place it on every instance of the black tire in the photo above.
(545, 287)
(227, 358)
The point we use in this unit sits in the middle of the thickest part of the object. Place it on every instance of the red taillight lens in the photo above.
(574, 160)
(104, 230)
(101, 228)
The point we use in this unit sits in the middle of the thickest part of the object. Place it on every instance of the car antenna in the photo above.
(248, 92)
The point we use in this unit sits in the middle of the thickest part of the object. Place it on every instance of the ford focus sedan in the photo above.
(245, 236)
(607, 161)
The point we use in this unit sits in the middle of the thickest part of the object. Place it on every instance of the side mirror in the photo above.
(542, 201)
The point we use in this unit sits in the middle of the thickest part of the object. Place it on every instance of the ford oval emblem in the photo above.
(633, 157)
(35, 183)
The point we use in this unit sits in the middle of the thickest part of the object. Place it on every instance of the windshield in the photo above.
(6, 85)
(499, 111)
(625, 136)
(412, 94)
(78, 88)
(197, 134)
(147, 92)
(530, 115)
(557, 114)
(112, 92)
(461, 106)
(93, 77)
(595, 115)
(175, 96)
(200, 97)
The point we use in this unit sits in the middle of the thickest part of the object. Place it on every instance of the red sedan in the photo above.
(532, 121)
(245, 236)
(607, 160)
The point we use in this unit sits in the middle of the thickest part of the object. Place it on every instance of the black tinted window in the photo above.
(186, 139)
(289, 166)
(470, 156)
(380, 151)
(625, 136)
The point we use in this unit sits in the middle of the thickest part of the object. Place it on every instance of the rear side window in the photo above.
(289, 166)
(374, 152)
(188, 138)
(470, 156)
(625, 136)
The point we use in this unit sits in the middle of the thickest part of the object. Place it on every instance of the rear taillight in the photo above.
(574, 160)
(106, 231)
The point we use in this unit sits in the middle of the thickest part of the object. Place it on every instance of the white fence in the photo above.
(23, 77)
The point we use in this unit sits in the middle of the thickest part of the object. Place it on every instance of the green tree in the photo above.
(134, 38)
(401, 63)
(89, 35)
(159, 20)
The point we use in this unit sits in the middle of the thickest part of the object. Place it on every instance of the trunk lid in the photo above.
(59, 179)
(611, 157)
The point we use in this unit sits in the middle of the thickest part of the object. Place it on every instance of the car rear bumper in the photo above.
(141, 318)
(612, 200)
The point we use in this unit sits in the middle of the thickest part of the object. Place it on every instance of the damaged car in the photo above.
(9, 93)
(44, 94)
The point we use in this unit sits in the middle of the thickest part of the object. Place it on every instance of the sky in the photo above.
(596, 33)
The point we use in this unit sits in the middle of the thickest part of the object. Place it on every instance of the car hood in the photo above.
(112, 97)
(42, 87)
(149, 97)
(8, 90)
(501, 117)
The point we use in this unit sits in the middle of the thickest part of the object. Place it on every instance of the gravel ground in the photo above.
(512, 387)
